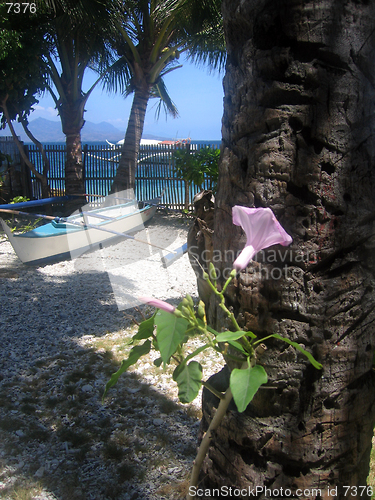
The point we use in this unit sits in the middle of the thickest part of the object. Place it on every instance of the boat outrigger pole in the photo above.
(84, 225)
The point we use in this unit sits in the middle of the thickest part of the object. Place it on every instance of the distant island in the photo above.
(48, 131)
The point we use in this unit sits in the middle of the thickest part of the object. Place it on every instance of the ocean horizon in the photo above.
(214, 142)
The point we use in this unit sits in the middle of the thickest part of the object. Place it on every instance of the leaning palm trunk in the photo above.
(298, 137)
(46, 190)
(125, 175)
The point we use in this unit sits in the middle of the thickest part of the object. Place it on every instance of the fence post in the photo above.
(84, 165)
(155, 171)
(187, 200)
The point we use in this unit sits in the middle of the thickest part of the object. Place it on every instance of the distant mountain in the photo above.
(44, 131)
(47, 131)
(100, 132)
(50, 131)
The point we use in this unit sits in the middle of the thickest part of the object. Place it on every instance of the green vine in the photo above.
(174, 328)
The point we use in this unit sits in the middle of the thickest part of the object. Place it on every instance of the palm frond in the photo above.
(118, 77)
(159, 90)
(80, 11)
(204, 33)
(208, 50)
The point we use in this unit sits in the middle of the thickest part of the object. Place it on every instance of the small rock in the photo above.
(173, 470)
(157, 421)
(87, 388)
(39, 472)
(133, 391)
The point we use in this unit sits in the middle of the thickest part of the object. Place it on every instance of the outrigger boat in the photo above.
(71, 236)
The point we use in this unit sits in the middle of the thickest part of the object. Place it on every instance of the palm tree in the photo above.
(151, 37)
(298, 129)
(76, 31)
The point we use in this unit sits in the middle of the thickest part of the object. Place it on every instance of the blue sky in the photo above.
(197, 93)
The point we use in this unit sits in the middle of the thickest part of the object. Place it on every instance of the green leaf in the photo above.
(211, 330)
(188, 378)
(251, 334)
(145, 330)
(134, 355)
(225, 336)
(170, 333)
(237, 346)
(245, 383)
(158, 362)
(309, 356)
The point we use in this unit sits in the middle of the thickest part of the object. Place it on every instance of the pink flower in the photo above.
(160, 304)
(262, 230)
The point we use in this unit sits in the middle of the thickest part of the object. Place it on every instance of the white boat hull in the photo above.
(61, 240)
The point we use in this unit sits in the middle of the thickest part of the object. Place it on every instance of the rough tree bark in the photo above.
(71, 114)
(298, 137)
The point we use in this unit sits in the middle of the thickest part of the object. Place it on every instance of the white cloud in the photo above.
(52, 111)
(44, 112)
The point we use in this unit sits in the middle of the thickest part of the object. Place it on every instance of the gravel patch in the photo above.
(64, 328)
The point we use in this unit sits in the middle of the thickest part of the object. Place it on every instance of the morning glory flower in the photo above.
(160, 304)
(262, 230)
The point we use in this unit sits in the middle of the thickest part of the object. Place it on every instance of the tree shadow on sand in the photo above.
(55, 433)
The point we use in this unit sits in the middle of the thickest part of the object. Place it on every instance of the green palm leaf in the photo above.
(159, 91)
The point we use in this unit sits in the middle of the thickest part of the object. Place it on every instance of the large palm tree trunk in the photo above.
(71, 114)
(298, 136)
(125, 175)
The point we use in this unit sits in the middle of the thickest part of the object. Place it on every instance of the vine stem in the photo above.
(223, 404)
(205, 443)
(215, 422)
